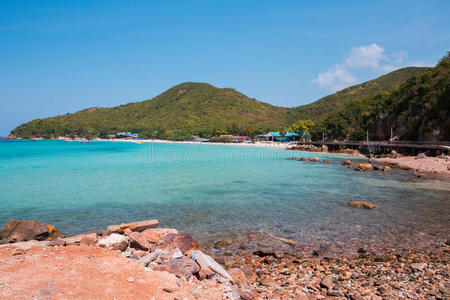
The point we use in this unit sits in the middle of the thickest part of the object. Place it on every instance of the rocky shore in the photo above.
(277, 269)
(420, 165)
(141, 260)
(323, 148)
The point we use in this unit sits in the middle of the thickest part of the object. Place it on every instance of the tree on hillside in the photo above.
(282, 131)
(302, 126)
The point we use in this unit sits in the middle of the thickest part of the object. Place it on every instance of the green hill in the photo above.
(186, 109)
(419, 110)
(200, 108)
(323, 107)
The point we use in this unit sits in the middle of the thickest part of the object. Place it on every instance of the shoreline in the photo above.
(418, 165)
(142, 260)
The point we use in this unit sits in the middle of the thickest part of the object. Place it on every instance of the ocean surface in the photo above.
(215, 192)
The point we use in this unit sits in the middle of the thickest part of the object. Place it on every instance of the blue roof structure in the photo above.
(277, 137)
(277, 134)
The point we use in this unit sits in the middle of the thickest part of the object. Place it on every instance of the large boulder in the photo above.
(184, 267)
(138, 241)
(182, 241)
(154, 235)
(113, 241)
(136, 226)
(143, 240)
(26, 230)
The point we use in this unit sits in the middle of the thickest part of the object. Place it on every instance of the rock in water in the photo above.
(25, 230)
(206, 261)
(387, 169)
(362, 204)
(114, 241)
(361, 167)
(184, 267)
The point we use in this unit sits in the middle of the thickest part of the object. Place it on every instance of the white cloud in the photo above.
(370, 57)
(335, 78)
(365, 56)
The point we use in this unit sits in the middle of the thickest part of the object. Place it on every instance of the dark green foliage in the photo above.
(183, 111)
(201, 109)
(418, 110)
(325, 106)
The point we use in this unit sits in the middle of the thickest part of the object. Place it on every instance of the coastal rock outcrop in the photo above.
(311, 159)
(26, 230)
(238, 270)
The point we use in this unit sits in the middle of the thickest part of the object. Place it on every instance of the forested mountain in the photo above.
(417, 111)
(180, 112)
(323, 107)
(201, 109)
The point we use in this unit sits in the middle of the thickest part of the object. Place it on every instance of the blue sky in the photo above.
(64, 56)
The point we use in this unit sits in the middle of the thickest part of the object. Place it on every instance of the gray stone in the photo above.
(152, 256)
(177, 254)
(127, 253)
(114, 241)
(206, 261)
(235, 292)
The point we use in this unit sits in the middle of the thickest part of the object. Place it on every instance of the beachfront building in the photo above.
(275, 136)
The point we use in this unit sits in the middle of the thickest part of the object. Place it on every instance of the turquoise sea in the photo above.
(215, 191)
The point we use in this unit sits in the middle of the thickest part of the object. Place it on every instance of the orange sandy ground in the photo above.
(81, 272)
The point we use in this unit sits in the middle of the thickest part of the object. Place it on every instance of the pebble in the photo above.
(418, 266)
(268, 282)
(327, 282)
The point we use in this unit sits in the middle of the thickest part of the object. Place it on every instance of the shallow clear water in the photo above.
(213, 191)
